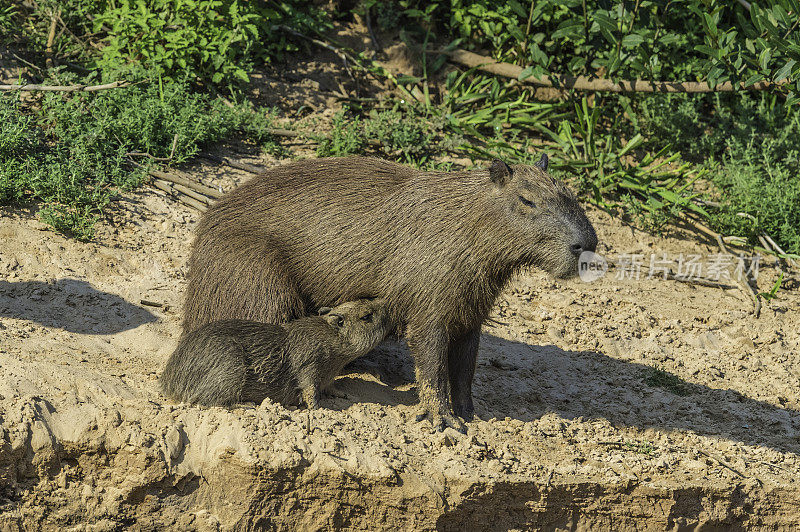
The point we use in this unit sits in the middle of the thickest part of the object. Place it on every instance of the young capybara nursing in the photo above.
(234, 361)
(437, 246)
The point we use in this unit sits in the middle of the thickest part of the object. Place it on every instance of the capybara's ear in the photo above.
(500, 172)
(543, 162)
(334, 320)
(324, 310)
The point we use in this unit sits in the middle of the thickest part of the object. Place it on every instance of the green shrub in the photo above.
(73, 156)
(406, 134)
(346, 137)
(750, 145)
(217, 41)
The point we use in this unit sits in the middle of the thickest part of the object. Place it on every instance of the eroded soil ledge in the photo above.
(575, 431)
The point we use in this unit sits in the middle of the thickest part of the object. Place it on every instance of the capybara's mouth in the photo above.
(567, 271)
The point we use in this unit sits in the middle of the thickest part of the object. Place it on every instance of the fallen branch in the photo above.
(188, 192)
(235, 164)
(582, 83)
(65, 88)
(172, 178)
(191, 202)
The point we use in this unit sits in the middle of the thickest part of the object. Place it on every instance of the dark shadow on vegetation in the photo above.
(72, 305)
(538, 379)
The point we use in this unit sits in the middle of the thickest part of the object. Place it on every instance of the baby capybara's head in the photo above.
(544, 217)
(362, 323)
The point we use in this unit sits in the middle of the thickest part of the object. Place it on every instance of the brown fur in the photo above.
(234, 361)
(438, 246)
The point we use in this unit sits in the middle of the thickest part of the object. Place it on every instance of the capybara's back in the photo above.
(324, 220)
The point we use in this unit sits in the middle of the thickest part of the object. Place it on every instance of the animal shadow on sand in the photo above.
(525, 382)
(70, 304)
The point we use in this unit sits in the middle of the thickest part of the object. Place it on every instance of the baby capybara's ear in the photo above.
(334, 320)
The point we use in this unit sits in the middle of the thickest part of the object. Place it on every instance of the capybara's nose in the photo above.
(589, 244)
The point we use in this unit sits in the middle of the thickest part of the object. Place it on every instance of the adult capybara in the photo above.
(235, 361)
(437, 246)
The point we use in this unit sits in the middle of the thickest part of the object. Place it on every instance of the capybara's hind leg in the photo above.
(271, 296)
(245, 288)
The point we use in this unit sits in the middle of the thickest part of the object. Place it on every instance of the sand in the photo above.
(573, 432)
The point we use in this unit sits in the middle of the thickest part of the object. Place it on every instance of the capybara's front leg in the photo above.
(429, 349)
(461, 360)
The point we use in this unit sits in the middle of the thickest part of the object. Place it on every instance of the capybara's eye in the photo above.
(366, 317)
(527, 202)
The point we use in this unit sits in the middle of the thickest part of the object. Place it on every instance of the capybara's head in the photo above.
(543, 216)
(362, 323)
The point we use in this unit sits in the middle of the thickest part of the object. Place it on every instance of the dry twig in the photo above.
(582, 83)
(744, 282)
(235, 164)
(64, 88)
(51, 34)
(722, 462)
(166, 187)
(187, 191)
(175, 179)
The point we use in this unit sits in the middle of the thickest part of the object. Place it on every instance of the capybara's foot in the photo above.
(464, 409)
(441, 421)
(311, 397)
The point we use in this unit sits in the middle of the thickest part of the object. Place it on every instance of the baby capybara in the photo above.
(437, 246)
(234, 361)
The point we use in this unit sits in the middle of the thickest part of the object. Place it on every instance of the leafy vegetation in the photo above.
(212, 40)
(773, 292)
(390, 132)
(640, 447)
(72, 156)
(641, 155)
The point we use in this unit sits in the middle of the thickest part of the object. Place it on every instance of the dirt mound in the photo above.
(577, 428)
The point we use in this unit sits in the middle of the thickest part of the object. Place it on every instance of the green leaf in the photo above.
(752, 80)
(784, 72)
(635, 142)
(632, 40)
(525, 74)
